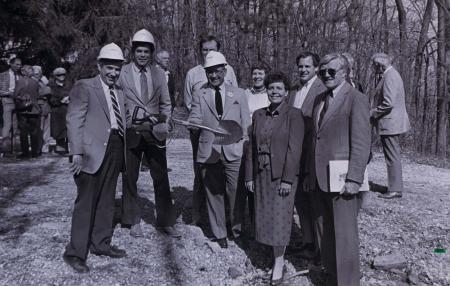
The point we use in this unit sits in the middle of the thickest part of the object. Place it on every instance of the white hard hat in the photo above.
(214, 58)
(143, 36)
(112, 52)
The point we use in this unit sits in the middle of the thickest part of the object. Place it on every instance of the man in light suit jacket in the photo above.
(341, 131)
(96, 120)
(303, 99)
(145, 86)
(219, 164)
(388, 114)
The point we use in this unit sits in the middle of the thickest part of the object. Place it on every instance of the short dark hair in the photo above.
(259, 66)
(277, 77)
(135, 45)
(303, 55)
(208, 38)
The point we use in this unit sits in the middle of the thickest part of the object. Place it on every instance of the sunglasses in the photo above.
(331, 72)
(61, 74)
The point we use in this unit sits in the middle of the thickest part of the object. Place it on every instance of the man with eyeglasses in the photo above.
(219, 164)
(195, 78)
(340, 131)
(303, 99)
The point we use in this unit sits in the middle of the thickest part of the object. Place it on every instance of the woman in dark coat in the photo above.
(272, 168)
(59, 100)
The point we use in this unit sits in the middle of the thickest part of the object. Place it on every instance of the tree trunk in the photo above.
(442, 101)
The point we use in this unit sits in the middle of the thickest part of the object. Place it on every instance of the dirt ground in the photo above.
(36, 201)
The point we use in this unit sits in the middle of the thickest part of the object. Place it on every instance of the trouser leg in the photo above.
(24, 129)
(214, 183)
(391, 150)
(157, 160)
(231, 172)
(35, 135)
(198, 191)
(102, 231)
(131, 212)
(7, 118)
(304, 210)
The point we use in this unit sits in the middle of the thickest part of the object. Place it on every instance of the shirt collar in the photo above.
(253, 91)
(335, 91)
(277, 110)
(136, 69)
(309, 82)
(388, 68)
(104, 85)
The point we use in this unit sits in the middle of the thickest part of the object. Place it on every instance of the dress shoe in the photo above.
(113, 252)
(391, 195)
(222, 242)
(76, 263)
(136, 231)
(169, 231)
(280, 280)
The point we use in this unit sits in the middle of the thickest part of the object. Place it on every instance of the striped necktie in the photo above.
(116, 109)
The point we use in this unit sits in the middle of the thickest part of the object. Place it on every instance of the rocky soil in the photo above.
(36, 200)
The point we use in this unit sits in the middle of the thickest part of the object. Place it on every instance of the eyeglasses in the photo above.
(215, 71)
(331, 72)
(61, 74)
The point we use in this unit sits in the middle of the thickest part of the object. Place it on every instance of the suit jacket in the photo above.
(88, 122)
(158, 103)
(317, 88)
(28, 87)
(343, 135)
(285, 144)
(171, 86)
(204, 112)
(388, 109)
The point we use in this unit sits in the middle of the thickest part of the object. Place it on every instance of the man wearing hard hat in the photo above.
(219, 164)
(195, 78)
(145, 88)
(96, 120)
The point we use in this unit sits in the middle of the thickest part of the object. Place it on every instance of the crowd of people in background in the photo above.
(291, 134)
(34, 108)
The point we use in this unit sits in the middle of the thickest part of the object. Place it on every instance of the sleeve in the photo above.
(76, 118)
(294, 150)
(250, 150)
(195, 116)
(165, 105)
(245, 115)
(359, 138)
(390, 91)
(187, 95)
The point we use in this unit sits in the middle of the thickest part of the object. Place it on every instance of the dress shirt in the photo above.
(196, 78)
(256, 100)
(137, 79)
(301, 94)
(112, 115)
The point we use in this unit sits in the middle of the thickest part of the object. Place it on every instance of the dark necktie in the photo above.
(144, 87)
(116, 109)
(219, 106)
(326, 104)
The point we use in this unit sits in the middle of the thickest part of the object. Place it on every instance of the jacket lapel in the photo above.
(101, 96)
(129, 80)
(205, 94)
(336, 103)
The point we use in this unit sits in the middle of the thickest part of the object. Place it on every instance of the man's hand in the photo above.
(250, 186)
(75, 167)
(65, 100)
(350, 188)
(285, 189)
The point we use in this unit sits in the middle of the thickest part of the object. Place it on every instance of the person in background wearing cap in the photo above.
(96, 122)
(145, 86)
(219, 164)
(389, 116)
(44, 94)
(59, 100)
(162, 58)
(25, 97)
(8, 81)
(195, 78)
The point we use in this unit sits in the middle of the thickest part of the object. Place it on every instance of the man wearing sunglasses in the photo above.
(388, 114)
(340, 131)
